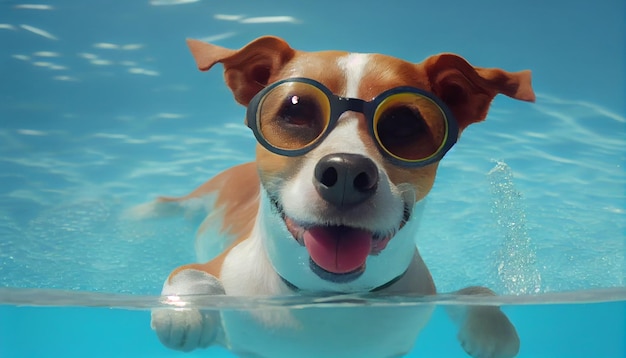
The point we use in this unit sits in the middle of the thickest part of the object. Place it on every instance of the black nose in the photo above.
(345, 179)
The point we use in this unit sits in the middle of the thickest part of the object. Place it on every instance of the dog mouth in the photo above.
(338, 252)
(337, 249)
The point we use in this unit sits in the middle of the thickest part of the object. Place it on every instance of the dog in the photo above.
(348, 147)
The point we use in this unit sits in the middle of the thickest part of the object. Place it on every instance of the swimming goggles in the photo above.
(411, 127)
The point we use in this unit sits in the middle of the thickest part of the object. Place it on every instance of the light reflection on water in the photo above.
(64, 298)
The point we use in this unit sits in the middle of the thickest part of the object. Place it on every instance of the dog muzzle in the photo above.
(316, 263)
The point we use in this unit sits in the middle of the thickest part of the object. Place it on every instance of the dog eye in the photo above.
(299, 111)
(401, 124)
(406, 121)
(404, 133)
(293, 121)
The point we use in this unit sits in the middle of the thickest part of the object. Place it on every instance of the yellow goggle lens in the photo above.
(293, 115)
(410, 127)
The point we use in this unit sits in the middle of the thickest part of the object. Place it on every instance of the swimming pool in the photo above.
(102, 109)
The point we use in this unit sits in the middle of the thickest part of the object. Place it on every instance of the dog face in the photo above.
(342, 215)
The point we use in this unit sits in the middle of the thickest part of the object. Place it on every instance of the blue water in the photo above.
(590, 330)
(102, 108)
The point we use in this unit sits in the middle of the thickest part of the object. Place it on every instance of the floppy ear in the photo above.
(468, 90)
(247, 70)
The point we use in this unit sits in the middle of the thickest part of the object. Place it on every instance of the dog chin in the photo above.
(338, 252)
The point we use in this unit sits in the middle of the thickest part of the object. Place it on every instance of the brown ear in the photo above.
(469, 90)
(247, 70)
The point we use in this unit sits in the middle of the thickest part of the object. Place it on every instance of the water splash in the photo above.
(516, 261)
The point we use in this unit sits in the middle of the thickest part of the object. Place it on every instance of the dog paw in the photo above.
(487, 333)
(185, 329)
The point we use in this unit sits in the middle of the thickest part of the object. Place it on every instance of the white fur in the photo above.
(353, 66)
(185, 328)
(247, 270)
(342, 140)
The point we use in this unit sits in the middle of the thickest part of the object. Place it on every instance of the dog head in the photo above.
(341, 196)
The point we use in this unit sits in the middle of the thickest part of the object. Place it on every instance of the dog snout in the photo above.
(345, 179)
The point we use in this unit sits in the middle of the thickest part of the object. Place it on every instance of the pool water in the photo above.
(547, 330)
(102, 109)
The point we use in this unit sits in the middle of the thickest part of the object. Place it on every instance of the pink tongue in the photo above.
(338, 249)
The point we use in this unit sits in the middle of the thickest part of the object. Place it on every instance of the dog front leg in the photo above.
(186, 329)
(484, 331)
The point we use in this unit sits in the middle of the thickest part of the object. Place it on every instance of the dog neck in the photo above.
(294, 288)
